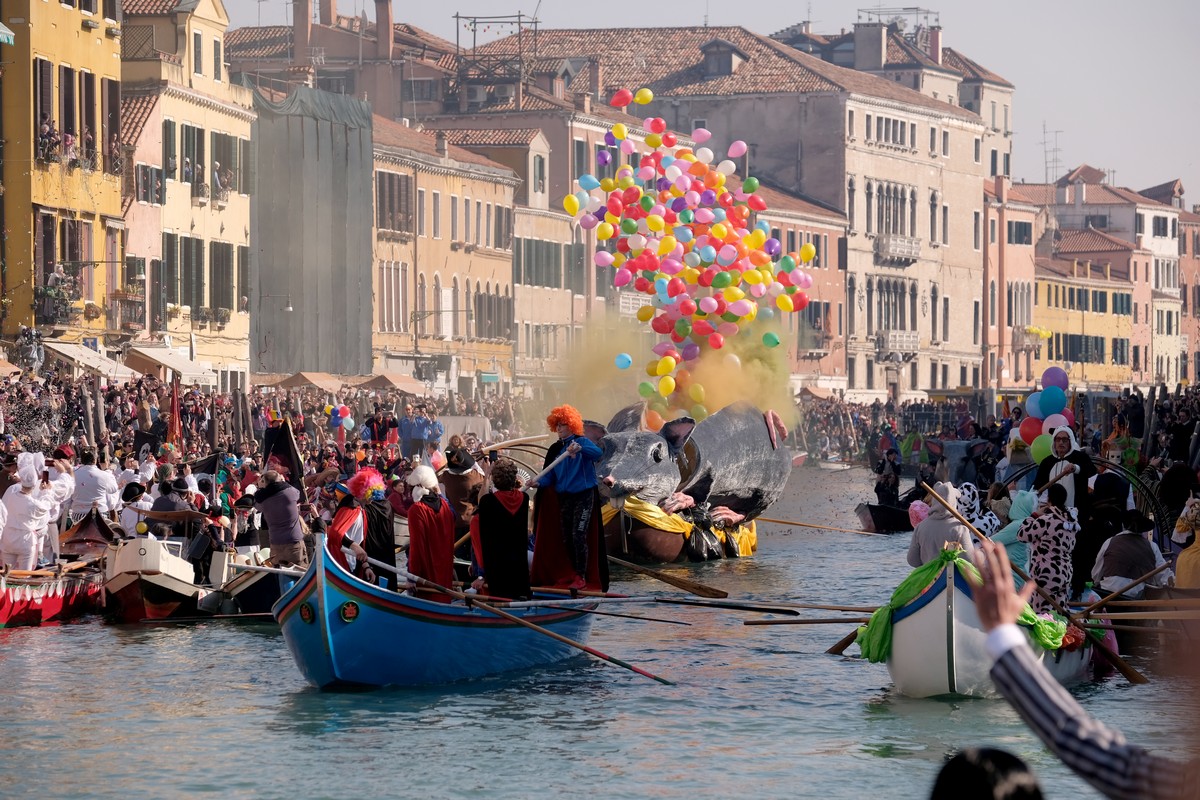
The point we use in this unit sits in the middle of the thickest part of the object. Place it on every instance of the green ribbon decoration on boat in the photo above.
(875, 638)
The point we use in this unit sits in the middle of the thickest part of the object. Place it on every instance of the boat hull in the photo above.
(143, 579)
(644, 544)
(834, 466)
(46, 601)
(346, 633)
(883, 519)
(938, 645)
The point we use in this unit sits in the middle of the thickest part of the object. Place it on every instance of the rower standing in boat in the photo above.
(430, 533)
(1066, 458)
(1127, 555)
(348, 529)
(889, 470)
(499, 535)
(940, 527)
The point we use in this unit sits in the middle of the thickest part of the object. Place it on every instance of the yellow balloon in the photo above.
(689, 156)
(666, 365)
(618, 259)
(807, 252)
(756, 239)
(732, 294)
(571, 204)
(666, 385)
(654, 139)
(645, 313)
(753, 312)
(690, 275)
(141, 527)
(784, 302)
(643, 96)
(604, 231)
(718, 230)
(752, 276)
(607, 185)
(696, 392)
(675, 191)
(652, 369)
(655, 222)
(625, 181)
(619, 131)
(611, 218)
(667, 244)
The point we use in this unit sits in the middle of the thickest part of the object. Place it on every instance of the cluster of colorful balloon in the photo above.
(1045, 411)
(339, 417)
(679, 228)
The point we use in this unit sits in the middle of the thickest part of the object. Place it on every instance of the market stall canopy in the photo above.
(394, 380)
(88, 360)
(6, 35)
(157, 360)
(321, 380)
(815, 392)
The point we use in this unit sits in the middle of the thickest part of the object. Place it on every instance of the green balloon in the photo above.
(722, 280)
(683, 327)
(647, 202)
(698, 412)
(787, 264)
(686, 215)
(750, 185)
(771, 339)
(629, 226)
(646, 389)
(1041, 447)
(729, 316)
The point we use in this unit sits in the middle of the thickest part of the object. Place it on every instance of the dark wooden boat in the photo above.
(634, 541)
(877, 518)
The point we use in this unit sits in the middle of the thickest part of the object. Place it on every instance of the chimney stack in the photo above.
(301, 30)
(935, 43)
(806, 26)
(443, 144)
(329, 12)
(384, 35)
(596, 78)
(870, 46)
(1001, 187)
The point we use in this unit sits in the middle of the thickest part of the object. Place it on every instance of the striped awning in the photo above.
(6, 35)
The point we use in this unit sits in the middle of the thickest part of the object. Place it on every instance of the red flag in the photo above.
(175, 429)
(1005, 411)
(341, 439)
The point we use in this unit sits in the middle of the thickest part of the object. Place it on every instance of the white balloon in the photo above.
(672, 173)
(733, 361)
(692, 259)
(704, 155)
(726, 167)
(637, 241)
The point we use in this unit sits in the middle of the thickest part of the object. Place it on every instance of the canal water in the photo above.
(220, 710)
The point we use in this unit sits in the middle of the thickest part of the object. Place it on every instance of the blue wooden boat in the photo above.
(347, 633)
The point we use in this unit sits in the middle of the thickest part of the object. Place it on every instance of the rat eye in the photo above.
(657, 454)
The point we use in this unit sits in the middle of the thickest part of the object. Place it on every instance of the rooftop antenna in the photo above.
(706, 13)
(1052, 164)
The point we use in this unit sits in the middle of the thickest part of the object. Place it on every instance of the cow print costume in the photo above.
(968, 505)
(1051, 533)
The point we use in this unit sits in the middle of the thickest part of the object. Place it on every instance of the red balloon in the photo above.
(631, 195)
(676, 337)
(757, 203)
(640, 284)
(344, 412)
(669, 139)
(799, 301)
(1070, 415)
(706, 277)
(622, 98)
(661, 324)
(784, 278)
(676, 287)
(658, 125)
(702, 327)
(1031, 428)
(687, 307)
(716, 341)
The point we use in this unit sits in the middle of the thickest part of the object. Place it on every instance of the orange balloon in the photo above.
(654, 420)
(698, 168)
(712, 179)
(742, 251)
(759, 258)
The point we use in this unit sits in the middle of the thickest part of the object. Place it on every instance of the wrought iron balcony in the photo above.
(893, 248)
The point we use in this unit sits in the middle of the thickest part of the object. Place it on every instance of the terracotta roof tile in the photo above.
(1091, 240)
(783, 200)
(269, 41)
(1189, 218)
(387, 133)
(1045, 194)
(1164, 192)
(147, 8)
(411, 34)
(135, 112)
(1048, 266)
(969, 69)
(902, 53)
(1085, 173)
(670, 62)
(490, 137)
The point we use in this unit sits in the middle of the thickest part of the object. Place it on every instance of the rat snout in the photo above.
(609, 481)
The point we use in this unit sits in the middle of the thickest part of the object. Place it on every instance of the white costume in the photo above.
(94, 485)
(29, 511)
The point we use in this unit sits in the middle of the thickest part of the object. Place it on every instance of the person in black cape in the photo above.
(500, 535)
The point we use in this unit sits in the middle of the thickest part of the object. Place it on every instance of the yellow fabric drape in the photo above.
(746, 536)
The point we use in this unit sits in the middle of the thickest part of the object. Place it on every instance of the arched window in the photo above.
(437, 306)
(469, 316)
(421, 307)
(455, 317)
(870, 204)
(850, 201)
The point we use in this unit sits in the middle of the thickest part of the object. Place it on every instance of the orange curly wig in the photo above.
(565, 415)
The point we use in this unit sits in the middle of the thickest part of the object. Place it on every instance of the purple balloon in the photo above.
(772, 247)
(678, 204)
(603, 158)
(708, 197)
(691, 351)
(610, 140)
(663, 184)
(1055, 376)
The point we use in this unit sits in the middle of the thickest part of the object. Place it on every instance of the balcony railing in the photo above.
(896, 249)
(1024, 342)
(199, 193)
(898, 342)
(1183, 342)
(127, 311)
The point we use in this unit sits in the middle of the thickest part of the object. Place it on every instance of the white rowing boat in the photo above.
(835, 466)
(938, 645)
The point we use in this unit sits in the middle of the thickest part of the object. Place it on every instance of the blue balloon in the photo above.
(1053, 401)
(1033, 406)
(588, 182)
(335, 421)
(624, 361)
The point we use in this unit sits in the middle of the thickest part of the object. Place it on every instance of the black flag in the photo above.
(280, 453)
(146, 445)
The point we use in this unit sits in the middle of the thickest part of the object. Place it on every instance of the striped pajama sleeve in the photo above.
(1097, 753)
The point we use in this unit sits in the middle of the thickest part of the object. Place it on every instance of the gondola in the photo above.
(345, 633)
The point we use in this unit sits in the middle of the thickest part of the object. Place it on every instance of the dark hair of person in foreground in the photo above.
(984, 773)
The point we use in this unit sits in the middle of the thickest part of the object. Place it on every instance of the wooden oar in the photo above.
(841, 646)
(1085, 612)
(819, 607)
(570, 593)
(1133, 629)
(734, 606)
(815, 621)
(1131, 674)
(818, 527)
(622, 616)
(687, 585)
(1183, 602)
(550, 467)
(417, 579)
(1051, 482)
(1187, 614)
(511, 442)
(50, 572)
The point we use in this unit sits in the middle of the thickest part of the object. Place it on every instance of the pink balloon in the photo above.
(708, 304)
(670, 266)
(727, 328)
(758, 290)
(645, 173)
(1070, 415)
(1053, 421)
(603, 258)
(701, 135)
(704, 215)
(622, 277)
(662, 348)
(737, 149)
(740, 307)
(588, 221)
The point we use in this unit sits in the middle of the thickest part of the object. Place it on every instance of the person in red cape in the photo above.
(430, 533)
(500, 535)
(568, 549)
(348, 528)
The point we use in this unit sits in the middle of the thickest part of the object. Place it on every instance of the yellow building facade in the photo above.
(1087, 310)
(188, 186)
(63, 239)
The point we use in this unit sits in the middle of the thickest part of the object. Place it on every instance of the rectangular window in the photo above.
(393, 202)
(170, 269)
(217, 63)
(87, 117)
(869, 131)
(870, 374)
(993, 114)
(420, 212)
(978, 230)
(437, 215)
(198, 53)
(466, 219)
(946, 146)
(1139, 223)
(487, 228)
(67, 101)
(933, 140)
(945, 224)
(242, 287)
(850, 123)
(1161, 227)
(454, 218)
(43, 102)
(975, 329)
(978, 149)
(581, 158)
(192, 289)
(478, 222)
(221, 264)
(1020, 232)
(995, 165)
(170, 159)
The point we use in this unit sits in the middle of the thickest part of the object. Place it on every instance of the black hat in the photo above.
(1137, 522)
(180, 486)
(132, 492)
(244, 503)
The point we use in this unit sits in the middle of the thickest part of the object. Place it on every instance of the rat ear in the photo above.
(629, 418)
(677, 432)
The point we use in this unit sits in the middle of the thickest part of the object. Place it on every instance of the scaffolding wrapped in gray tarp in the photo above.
(312, 212)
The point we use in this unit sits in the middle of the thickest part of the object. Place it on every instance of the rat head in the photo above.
(642, 463)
